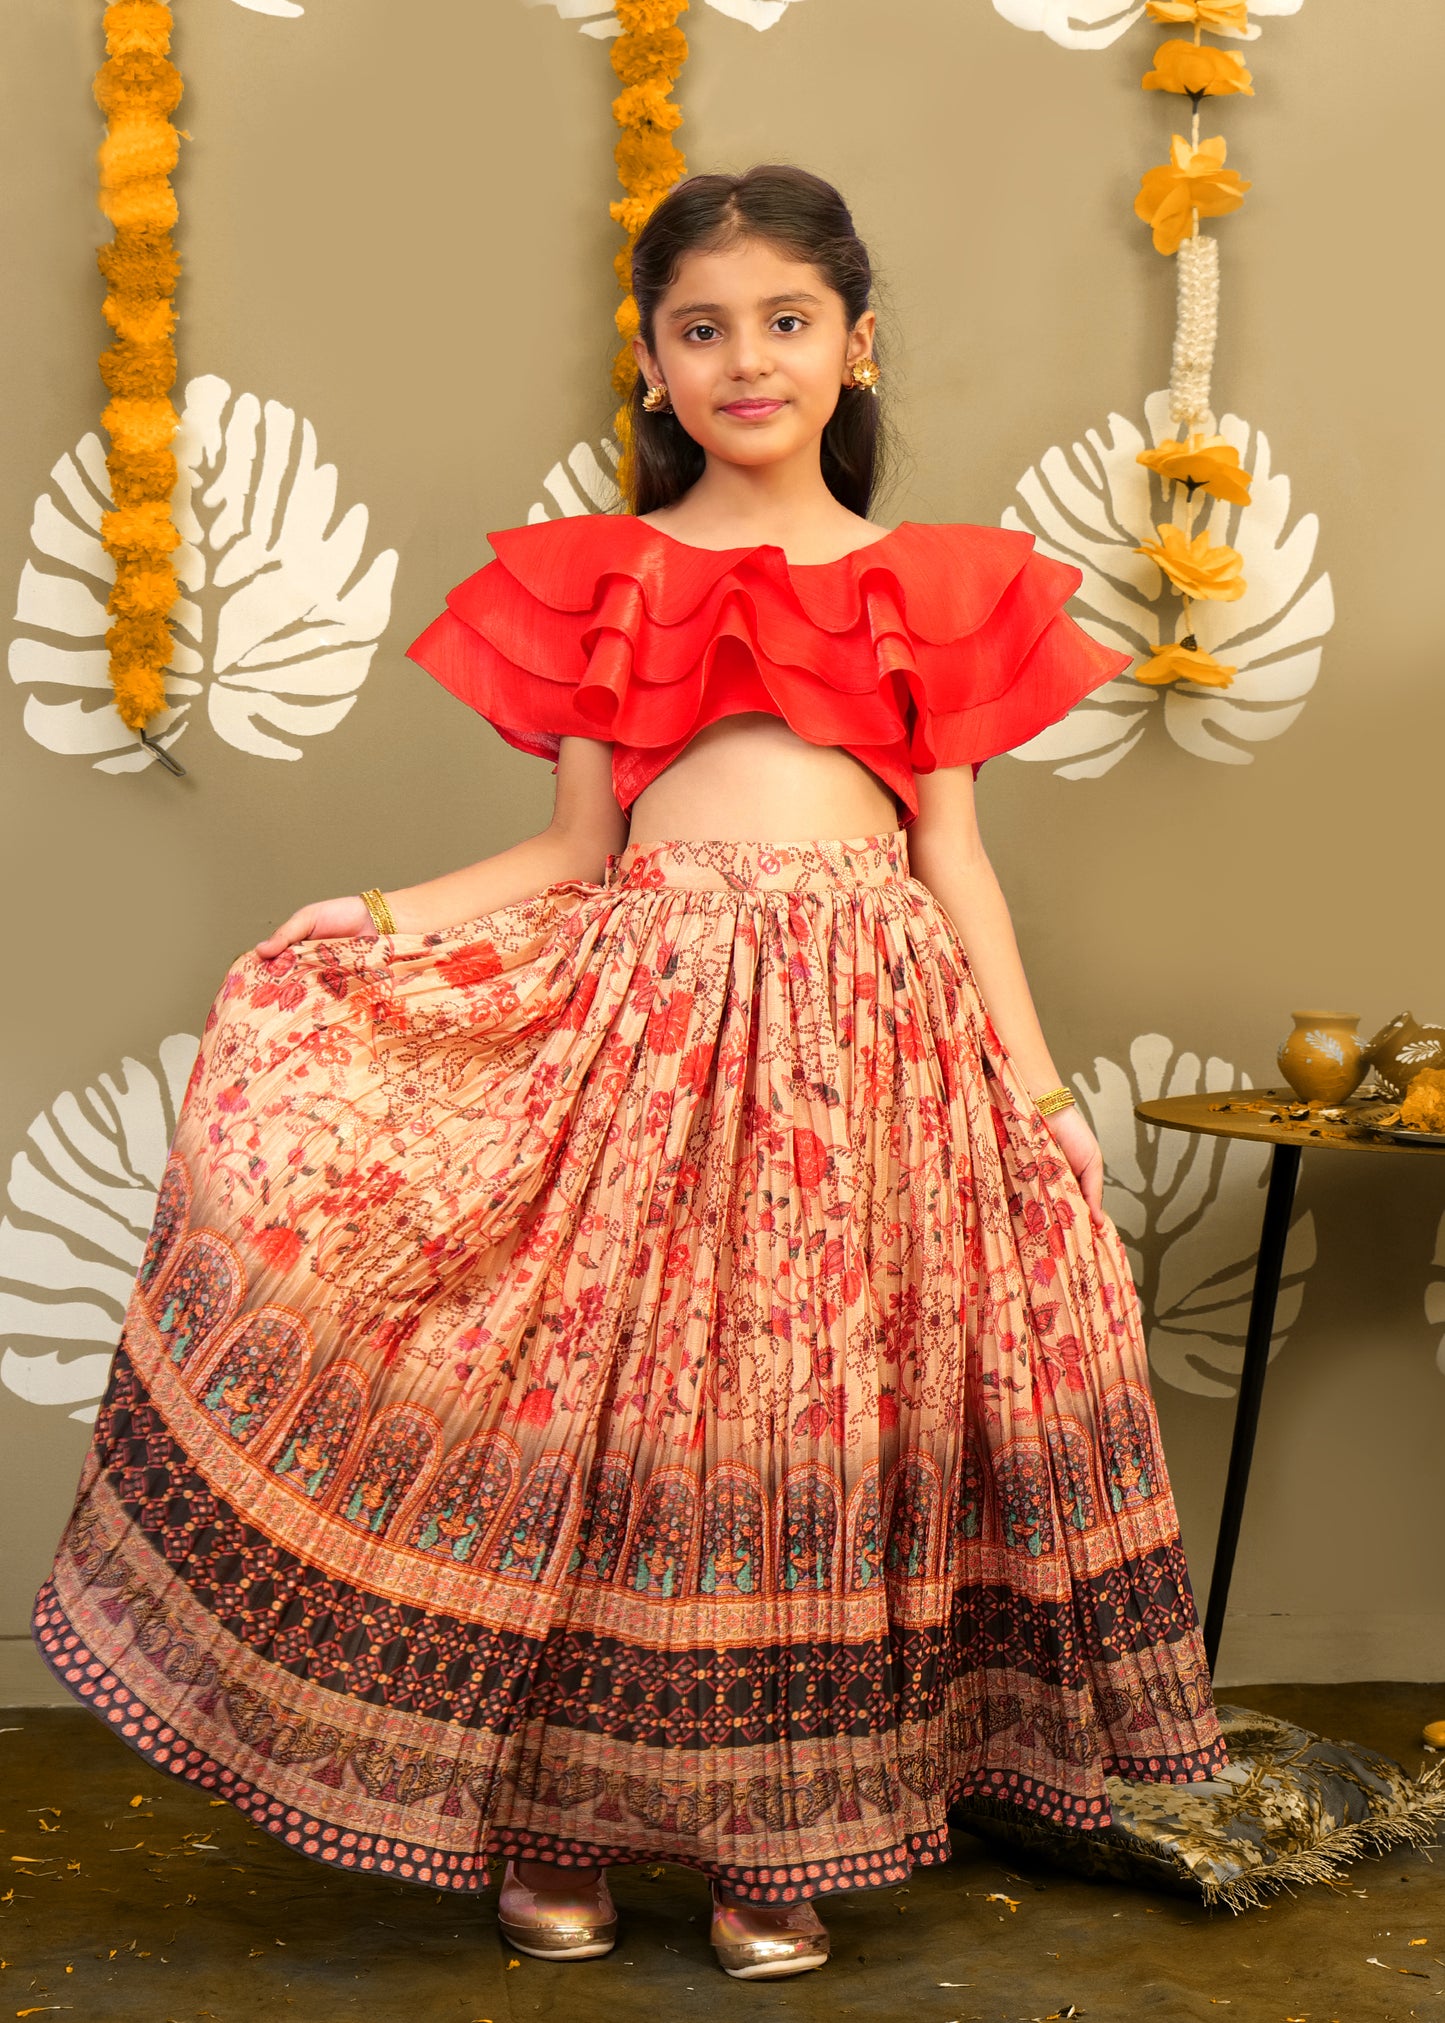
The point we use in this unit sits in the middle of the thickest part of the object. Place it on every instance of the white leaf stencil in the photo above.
(1094, 24)
(598, 17)
(82, 1198)
(582, 482)
(1090, 506)
(1188, 1209)
(280, 610)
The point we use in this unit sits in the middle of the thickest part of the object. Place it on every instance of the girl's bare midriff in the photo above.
(751, 778)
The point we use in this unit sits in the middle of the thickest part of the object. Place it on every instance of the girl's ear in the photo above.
(860, 337)
(644, 360)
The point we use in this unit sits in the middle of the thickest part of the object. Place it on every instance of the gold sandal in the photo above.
(564, 1924)
(801, 1941)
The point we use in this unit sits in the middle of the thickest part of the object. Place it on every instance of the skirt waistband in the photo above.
(722, 864)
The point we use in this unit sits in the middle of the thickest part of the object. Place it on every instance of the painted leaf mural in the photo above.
(1094, 24)
(280, 610)
(1090, 505)
(598, 17)
(81, 1200)
(1188, 1209)
(581, 482)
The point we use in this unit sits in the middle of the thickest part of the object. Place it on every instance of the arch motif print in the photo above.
(398, 1456)
(527, 1541)
(734, 1532)
(597, 1553)
(1073, 1472)
(809, 1529)
(459, 1510)
(172, 1215)
(199, 1295)
(254, 1372)
(1127, 1446)
(864, 1557)
(912, 1548)
(660, 1556)
(313, 1450)
(1021, 1471)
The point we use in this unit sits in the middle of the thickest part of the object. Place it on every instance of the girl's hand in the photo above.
(1081, 1148)
(324, 920)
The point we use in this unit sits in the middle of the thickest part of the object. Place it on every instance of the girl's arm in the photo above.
(586, 827)
(946, 853)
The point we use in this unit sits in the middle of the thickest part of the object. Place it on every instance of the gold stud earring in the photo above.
(865, 373)
(657, 400)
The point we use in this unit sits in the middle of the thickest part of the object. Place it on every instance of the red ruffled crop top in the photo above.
(934, 646)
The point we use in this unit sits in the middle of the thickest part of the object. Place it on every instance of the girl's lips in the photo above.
(752, 407)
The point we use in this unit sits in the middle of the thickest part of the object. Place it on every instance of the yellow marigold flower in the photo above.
(1183, 661)
(1195, 69)
(1225, 17)
(1211, 462)
(1194, 179)
(1195, 568)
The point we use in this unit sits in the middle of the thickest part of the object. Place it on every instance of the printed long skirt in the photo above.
(632, 1376)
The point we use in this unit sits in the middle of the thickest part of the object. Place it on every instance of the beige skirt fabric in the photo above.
(632, 1376)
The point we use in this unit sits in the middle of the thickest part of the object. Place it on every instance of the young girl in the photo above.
(631, 1362)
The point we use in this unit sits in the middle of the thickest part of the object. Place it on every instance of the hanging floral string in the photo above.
(1194, 184)
(137, 88)
(647, 57)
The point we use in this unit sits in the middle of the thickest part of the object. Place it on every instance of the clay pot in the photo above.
(1323, 1059)
(1400, 1049)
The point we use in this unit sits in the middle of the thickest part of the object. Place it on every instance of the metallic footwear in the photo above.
(801, 1941)
(567, 1923)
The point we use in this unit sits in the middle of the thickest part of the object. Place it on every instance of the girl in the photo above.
(631, 1362)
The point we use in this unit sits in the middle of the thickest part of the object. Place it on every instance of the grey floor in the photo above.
(113, 1910)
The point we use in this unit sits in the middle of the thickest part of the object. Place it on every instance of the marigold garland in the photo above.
(1172, 198)
(137, 88)
(647, 57)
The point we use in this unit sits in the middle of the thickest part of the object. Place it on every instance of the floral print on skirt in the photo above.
(632, 1376)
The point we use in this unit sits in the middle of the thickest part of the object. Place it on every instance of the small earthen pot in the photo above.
(1400, 1049)
(1323, 1059)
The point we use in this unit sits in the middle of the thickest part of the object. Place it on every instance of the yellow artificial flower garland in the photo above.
(1172, 198)
(137, 88)
(647, 57)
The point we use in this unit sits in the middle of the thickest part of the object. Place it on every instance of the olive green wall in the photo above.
(397, 286)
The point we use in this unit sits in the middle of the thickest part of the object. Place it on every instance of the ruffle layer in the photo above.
(935, 646)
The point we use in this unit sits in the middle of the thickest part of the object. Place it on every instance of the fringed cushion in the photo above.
(1291, 1808)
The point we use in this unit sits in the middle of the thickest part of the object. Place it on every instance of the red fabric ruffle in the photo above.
(935, 646)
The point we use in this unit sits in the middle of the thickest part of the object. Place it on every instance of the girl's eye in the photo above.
(700, 329)
(788, 316)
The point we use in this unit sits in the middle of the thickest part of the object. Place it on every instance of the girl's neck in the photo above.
(736, 506)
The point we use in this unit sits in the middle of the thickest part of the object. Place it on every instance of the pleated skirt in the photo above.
(632, 1376)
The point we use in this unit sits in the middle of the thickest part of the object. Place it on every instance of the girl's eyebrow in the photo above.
(719, 309)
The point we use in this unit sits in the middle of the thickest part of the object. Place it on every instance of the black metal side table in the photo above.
(1290, 1139)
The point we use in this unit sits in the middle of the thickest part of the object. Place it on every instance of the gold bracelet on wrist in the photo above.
(380, 912)
(1054, 1099)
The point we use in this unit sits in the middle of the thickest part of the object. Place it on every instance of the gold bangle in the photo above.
(380, 912)
(1054, 1099)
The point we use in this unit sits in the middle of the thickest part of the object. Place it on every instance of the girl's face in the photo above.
(755, 349)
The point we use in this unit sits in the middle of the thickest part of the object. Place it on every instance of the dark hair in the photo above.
(801, 215)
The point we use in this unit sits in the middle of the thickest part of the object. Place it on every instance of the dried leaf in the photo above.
(998, 1897)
